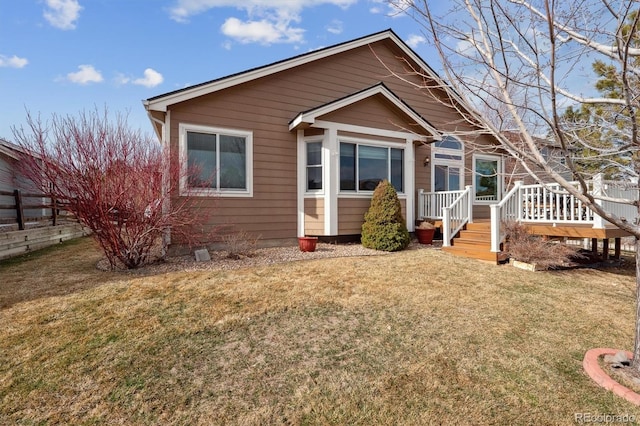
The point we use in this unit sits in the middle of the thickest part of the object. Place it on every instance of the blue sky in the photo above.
(63, 56)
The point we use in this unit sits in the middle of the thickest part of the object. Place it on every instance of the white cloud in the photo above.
(121, 79)
(399, 8)
(62, 14)
(335, 27)
(394, 8)
(267, 22)
(12, 62)
(151, 78)
(86, 74)
(416, 40)
(262, 31)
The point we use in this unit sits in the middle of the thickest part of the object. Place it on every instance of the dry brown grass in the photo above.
(416, 337)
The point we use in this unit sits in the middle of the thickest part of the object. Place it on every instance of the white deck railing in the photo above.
(457, 215)
(548, 203)
(430, 204)
(551, 203)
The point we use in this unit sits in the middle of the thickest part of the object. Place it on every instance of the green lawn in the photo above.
(416, 337)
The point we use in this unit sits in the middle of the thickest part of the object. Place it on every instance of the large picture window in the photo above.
(362, 167)
(218, 160)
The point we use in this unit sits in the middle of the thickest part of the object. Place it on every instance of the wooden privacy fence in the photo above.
(31, 221)
(22, 208)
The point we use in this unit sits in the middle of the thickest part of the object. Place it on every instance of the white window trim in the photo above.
(183, 128)
(499, 178)
(448, 162)
(378, 144)
(311, 193)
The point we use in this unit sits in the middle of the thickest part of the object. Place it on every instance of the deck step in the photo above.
(475, 242)
(472, 253)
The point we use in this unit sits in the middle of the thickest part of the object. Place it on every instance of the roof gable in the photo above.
(307, 118)
(161, 102)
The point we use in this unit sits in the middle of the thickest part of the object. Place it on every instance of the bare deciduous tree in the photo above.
(111, 178)
(522, 63)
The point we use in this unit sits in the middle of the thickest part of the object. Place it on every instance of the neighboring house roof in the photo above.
(514, 136)
(307, 118)
(10, 149)
(161, 102)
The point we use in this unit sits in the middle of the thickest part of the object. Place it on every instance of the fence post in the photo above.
(19, 212)
(54, 210)
(421, 204)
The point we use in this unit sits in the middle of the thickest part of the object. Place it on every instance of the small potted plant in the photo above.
(307, 244)
(425, 232)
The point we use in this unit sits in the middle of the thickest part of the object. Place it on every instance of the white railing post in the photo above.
(598, 222)
(469, 190)
(421, 204)
(518, 184)
(495, 228)
(446, 226)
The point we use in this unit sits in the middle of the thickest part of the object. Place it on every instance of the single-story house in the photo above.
(296, 147)
(11, 178)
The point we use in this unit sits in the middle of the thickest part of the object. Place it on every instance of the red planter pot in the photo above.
(307, 243)
(425, 236)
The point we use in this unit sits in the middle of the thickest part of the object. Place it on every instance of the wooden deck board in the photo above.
(575, 231)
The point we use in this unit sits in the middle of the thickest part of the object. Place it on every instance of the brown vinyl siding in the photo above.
(376, 112)
(422, 172)
(314, 216)
(351, 214)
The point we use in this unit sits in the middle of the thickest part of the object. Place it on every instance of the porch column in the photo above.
(331, 171)
(301, 174)
(410, 184)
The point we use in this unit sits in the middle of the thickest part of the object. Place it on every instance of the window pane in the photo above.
(347, 166)
(454, 179)
(201, 159)
(449, 142)
(448, 156)
(314, 178)
(373, 166)
(486, 180)
(440, 178)
(233, 162)
(314, 154)
(397, 169)
(314, 166)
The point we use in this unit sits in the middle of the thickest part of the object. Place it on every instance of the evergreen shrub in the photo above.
(384, 227)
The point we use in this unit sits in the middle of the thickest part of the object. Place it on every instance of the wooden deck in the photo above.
(475, 240)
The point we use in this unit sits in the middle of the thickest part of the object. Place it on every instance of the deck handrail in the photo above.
(509, 208)
(430, 204)
(457, 215)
